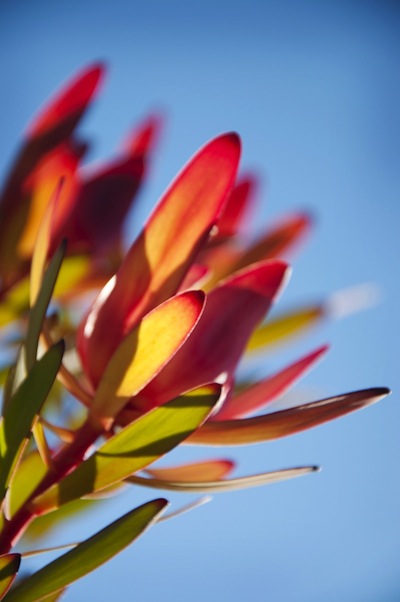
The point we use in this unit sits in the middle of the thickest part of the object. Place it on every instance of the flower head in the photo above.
(160, 344)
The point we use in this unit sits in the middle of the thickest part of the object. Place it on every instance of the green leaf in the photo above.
(55, 596)
(9, 565)
(40, 529)
(31, 471)
(39, 308)
(15, 376)
(21, 412)
(278, 330)
(135, 447)
(88, 555)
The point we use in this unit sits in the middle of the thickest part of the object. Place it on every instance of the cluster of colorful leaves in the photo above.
(158, 348)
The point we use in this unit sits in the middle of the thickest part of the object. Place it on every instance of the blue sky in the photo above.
(313, 90)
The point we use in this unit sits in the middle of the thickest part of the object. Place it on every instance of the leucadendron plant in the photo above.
(147, 342)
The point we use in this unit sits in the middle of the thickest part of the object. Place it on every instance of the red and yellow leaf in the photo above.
(69, 104)
(159, 259)
(106, 194)
(236, 208)
(209, 470)
(231, 313)
(144, 352)
(285, 422)
(260, 394)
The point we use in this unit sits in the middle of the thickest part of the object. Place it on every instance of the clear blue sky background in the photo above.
(313, 89)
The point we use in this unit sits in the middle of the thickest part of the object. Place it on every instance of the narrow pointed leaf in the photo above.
(60, 165)
(38, 310)
(9, 566)
(51, 128)
(67, 106)
(88, 555)
(236, 207)
(260, 394)
(210, 470)
(132, 449)
(285, 326)
(107, 193)
(42, 246)
(214, 348)
(144, 352)
(275, 242)
(223, 486)
(159, 259)
(30, 472)
(285, 422)
(23, 409)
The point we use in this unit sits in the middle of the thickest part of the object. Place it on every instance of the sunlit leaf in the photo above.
(47, 524)
(59, 165)
(285, 422)
(214, 348)
(144, 352)
(9, 566)
(258, 395)
(15, 376)
(51, 128)
(88, 555)
(224, 485)
(132, 449)
(292, 323)
(209, 470)
(38, 310)
(30, 472)
(157, 262)
(21, 412)
(42, 247)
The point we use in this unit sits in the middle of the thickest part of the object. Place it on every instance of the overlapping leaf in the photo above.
(144, 352)
(53, 126)
(9, 566)
(132, 449)
(236, 209)
(159, 259)
(231, 313)
(260, 394)
(197, 471)
(39, 308)
(88, 555)
(287, 325)
(106, 194)
(274, 243)
(285, 422)
(23, 409)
